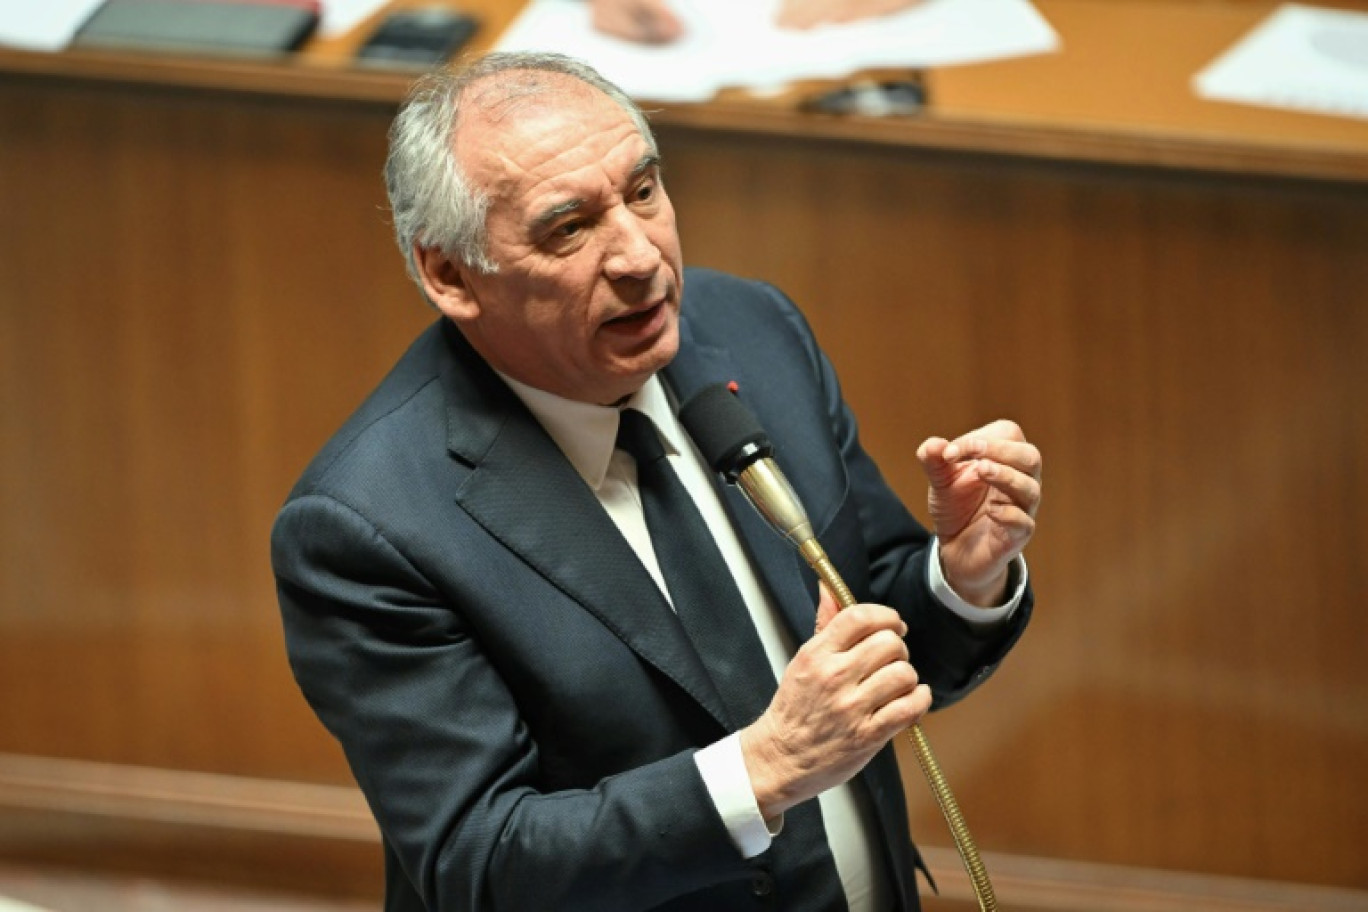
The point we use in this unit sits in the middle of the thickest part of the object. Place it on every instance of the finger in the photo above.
(859, 622)
(902, 712)
(826, 606)
(939, 469)
(1019, 487)
(882, 649)
(932, 449)
(1001, 429)
(1014, 526)
(891, 682)
(1020, 455)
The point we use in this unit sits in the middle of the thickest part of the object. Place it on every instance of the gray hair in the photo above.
(431, 202)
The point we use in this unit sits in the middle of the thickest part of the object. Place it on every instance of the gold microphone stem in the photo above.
(817, 559)
(767, 489)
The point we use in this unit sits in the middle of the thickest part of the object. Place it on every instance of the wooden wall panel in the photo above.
(196, 290)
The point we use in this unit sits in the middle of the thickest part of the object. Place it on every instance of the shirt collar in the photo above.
(587, 433)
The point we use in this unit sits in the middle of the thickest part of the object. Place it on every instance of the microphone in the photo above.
(734, 444)
(732, 441)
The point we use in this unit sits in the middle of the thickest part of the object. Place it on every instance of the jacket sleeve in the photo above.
(437, 744)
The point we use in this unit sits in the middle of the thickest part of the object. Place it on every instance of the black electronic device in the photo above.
(229, 27)
(417, 38)
(873, 99)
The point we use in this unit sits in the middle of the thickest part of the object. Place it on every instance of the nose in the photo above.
(631, 253)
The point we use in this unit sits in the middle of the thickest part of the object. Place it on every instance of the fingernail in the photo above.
(950, 453)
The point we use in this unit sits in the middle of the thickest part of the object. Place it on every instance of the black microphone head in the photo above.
(726, 432)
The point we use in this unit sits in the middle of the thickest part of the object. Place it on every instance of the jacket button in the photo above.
(762, 883)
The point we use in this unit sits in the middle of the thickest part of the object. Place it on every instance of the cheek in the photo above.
(562, 310)
(552, 290)
(665, 235)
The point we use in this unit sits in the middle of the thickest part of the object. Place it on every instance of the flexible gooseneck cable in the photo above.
(732, 441)
(768, 490)
(921, 748)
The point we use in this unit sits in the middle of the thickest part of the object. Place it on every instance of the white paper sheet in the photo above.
(735, 43)
(14, 905)
(341, 16)
(42, 25)
(1301, 57)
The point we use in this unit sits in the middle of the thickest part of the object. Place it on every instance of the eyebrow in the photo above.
(550, 215)
(648, 161)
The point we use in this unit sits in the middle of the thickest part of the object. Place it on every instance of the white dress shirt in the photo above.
(587, 435)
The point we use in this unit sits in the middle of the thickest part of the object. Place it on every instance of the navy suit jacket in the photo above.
(517, 701)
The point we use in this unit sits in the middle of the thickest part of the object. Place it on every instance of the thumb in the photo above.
(931, 454)
(826, 607)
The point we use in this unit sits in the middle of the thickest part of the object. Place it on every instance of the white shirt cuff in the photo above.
(982, 617)
(723, 769)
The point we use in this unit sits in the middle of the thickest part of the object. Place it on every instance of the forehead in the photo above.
(532, 135)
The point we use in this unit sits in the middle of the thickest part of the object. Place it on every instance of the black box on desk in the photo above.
(199, 27)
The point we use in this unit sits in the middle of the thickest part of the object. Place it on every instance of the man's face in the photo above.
(586, 300)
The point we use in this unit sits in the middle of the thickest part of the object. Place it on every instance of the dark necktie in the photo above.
(714, 615)
(705, 597)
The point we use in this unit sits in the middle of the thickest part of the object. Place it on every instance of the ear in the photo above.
(446, 284)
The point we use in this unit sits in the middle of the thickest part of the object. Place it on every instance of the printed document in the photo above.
(48, 25)
(735, 43)
(1302, 58)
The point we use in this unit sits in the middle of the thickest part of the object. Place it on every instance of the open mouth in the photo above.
(639, 318)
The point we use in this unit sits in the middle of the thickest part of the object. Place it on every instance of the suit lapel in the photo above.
(791, 584)
(524, 492)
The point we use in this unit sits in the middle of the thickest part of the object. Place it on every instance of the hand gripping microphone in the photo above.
(732, 441)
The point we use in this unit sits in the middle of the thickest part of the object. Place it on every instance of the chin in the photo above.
(665, 349)
(635, 378)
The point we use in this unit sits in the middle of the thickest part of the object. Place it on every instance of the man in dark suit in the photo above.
(476, 604)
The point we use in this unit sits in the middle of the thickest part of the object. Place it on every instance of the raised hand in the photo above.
(985, 491)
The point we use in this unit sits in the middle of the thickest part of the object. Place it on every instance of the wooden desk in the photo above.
(1117, 92)
(197, 285)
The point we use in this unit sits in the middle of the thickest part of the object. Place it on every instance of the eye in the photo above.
(645, 192)
(567, 230)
